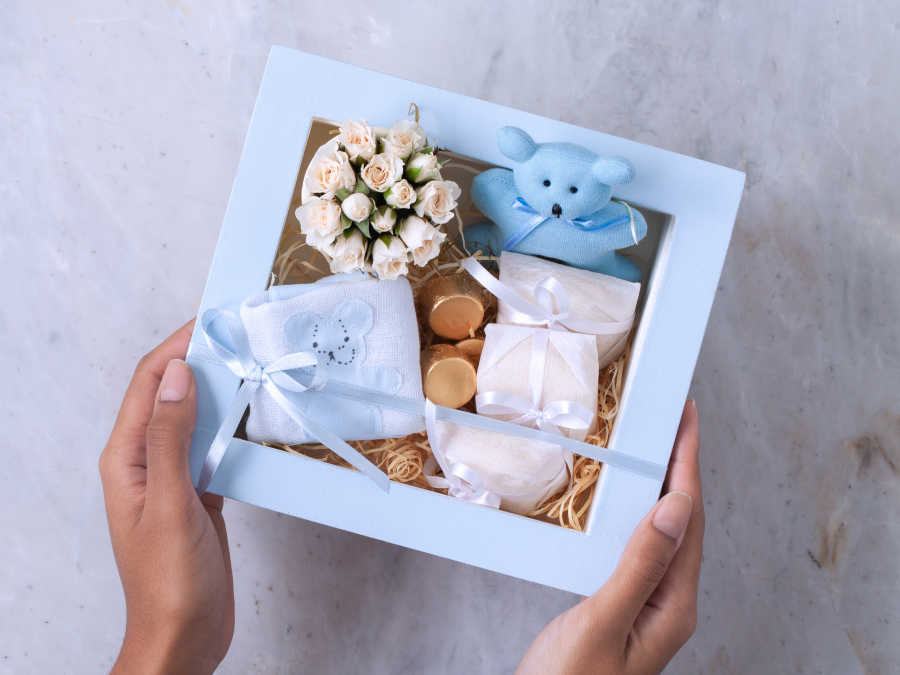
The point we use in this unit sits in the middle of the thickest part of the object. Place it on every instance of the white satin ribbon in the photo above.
(274, 378)
(460, 480)
(551, 307)
(238, 358)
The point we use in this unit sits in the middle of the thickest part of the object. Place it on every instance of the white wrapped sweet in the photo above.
(595, 300)
(539, 377)
(535, 377)
(521, 472)
(362, 331)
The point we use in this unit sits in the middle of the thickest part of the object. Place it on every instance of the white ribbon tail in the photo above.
(224, 435)
(330, 440)
(501, 290)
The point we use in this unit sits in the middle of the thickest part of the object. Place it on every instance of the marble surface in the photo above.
(121, 126)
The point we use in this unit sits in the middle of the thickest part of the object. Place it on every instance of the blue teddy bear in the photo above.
(556, 203)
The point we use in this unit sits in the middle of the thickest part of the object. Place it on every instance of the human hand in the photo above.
(647, 610)
(170, 545)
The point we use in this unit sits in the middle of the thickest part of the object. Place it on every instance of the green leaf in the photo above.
(346, 223)
(413, 173)
(427, 150)
(342, 194)
(361, 186)
(364, 228)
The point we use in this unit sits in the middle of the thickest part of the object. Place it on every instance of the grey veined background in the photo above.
(121, 125)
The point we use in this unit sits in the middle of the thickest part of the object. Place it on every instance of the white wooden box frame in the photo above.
(702, 199)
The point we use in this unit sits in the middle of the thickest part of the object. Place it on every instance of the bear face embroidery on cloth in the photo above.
(339, 343)
(555, 203)
(338, 340)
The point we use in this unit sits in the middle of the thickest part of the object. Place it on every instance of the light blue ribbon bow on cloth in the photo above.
(537, 219)
(279, 379)
(276, 380)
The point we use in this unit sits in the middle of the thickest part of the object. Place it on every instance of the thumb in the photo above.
(646, 559)
(169, 432)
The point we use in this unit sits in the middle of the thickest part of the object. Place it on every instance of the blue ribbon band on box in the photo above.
(298, 372)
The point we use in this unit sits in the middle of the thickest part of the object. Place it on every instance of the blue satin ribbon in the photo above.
(537, 219)
(277, 378)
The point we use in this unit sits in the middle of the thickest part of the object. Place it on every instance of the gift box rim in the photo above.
(695, 193)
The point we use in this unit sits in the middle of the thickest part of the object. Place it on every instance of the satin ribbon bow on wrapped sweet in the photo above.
(539, 377)
(551, 417)
(532, 291)
(532, 410)
(460, 480)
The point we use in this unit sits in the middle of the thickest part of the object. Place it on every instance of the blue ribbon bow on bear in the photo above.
(537, 219)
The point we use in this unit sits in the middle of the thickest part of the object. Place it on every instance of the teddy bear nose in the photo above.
(557, 210)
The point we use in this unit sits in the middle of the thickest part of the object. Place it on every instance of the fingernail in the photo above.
(673, 514)
(693, 404)
(176, 381)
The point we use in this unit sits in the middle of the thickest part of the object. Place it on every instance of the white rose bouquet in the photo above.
(374, 199)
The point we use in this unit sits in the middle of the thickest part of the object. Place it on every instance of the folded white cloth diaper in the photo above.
(363, 331)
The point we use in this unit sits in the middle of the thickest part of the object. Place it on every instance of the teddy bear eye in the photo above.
(546, 182)
(573, 189)
(346, 339)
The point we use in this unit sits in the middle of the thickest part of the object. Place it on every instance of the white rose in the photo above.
(384, 219)
(382, 171)
(422, 239)
(320, 221)
(358, 138)
(330, 171)
(389, 260)
(401, 195)
(348, 253)
(422, 167)
(404, 138)
(357, 207)
(437, 199)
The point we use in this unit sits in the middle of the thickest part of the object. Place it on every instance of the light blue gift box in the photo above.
(696, 204)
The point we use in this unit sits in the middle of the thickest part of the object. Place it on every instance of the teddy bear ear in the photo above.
(515, 144)
(356, 316)
(613, 170)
